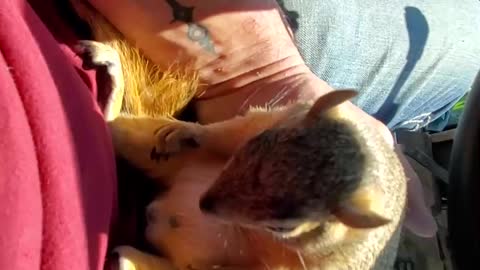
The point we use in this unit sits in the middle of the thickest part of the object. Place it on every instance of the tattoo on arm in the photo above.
(196, 32)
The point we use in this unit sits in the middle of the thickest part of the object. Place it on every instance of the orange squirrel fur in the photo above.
(149, 91)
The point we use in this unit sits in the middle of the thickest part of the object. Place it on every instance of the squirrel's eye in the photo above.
(280, 229)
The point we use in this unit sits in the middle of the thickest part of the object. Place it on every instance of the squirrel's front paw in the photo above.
(106, 60)
(175, 137)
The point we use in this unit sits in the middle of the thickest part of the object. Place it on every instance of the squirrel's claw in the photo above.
(176, 136)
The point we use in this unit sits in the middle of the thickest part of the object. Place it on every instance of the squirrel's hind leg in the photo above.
(106, 60)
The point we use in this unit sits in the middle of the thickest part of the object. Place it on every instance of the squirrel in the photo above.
(295, 187)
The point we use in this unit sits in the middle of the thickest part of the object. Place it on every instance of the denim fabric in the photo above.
(411, 60)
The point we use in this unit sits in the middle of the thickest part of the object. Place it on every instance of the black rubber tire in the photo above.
(464, 186)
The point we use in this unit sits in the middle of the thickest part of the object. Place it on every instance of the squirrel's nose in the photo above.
(207, 204)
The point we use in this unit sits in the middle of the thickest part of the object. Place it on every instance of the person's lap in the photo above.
(411, 60)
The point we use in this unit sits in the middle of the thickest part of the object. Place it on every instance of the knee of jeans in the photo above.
(443, 71)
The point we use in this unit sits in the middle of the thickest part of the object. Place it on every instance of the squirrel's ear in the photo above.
(360, 210)
(329, 101)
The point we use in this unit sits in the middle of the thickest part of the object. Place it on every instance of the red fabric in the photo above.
(57, 170)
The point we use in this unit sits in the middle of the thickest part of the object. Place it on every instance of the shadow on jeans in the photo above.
(417, 27)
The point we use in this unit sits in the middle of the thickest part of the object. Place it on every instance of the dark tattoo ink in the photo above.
(181, 13)
(196, 32)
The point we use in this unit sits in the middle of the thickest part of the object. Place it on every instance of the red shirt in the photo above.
(57, 168)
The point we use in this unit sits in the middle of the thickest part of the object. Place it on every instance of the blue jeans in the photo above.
(411, 60)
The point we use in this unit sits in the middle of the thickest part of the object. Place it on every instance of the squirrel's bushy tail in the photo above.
(149, 91)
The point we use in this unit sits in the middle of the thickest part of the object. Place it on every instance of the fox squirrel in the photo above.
(294, 187)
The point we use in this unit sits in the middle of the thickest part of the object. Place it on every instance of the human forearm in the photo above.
(252, 57)
(243, 36)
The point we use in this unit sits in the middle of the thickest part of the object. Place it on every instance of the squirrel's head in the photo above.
(292, 179)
